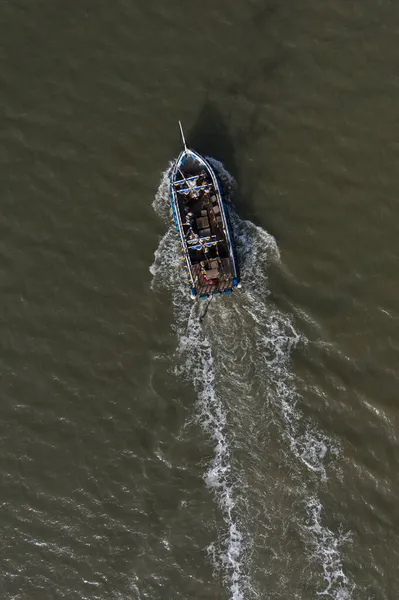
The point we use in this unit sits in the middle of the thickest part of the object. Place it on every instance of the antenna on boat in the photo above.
(182, 135)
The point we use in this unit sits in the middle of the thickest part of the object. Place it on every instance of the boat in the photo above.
(200, 220)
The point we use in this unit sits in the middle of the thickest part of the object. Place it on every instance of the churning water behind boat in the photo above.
(238, 360)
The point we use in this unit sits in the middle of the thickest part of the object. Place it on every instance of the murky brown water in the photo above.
(146, 455)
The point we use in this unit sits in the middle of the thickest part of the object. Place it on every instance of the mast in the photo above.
(182, 135)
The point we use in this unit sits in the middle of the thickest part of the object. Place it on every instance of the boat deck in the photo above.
(210, 265)
(223, 277)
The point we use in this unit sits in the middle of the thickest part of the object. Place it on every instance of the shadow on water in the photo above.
(210, 136)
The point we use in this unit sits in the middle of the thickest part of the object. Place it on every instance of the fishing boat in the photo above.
(201, 223)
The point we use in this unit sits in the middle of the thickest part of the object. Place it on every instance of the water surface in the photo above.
(148, 455)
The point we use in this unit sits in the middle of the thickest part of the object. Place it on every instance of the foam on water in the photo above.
(273, 337)
(327, 550)
(195, 360)
(197, 365)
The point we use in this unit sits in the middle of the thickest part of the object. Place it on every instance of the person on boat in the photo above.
(190, 224)
(190, 235)
(201, 180)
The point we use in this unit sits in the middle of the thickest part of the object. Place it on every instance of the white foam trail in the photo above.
(195, 359)
(327, 550)
(273, 338)
(197, 364)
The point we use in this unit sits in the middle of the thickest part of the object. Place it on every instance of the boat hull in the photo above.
(201, 223)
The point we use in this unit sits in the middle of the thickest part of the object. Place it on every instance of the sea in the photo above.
(156, 448)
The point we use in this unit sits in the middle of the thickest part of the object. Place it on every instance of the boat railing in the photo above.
(196, 240)
(180, 181)
(197, 188)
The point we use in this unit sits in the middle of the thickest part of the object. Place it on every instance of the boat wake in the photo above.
(195, 363)
(204, 357)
